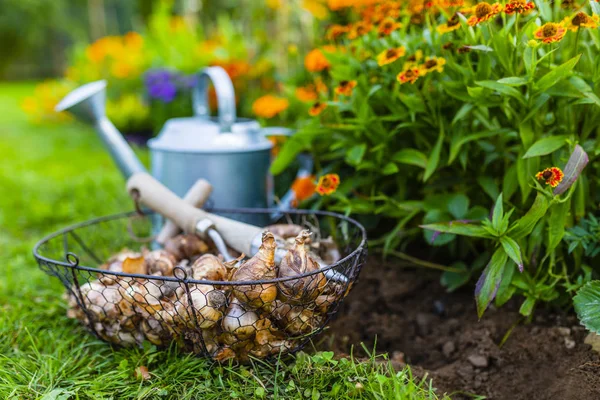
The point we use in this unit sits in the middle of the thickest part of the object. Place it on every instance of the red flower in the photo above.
(328, 184)
(553, 176)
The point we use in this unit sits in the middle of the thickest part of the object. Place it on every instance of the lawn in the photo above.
(52, 176)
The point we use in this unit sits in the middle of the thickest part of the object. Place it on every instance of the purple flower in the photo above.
(161, 85)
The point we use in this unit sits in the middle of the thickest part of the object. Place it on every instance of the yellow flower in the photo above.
(274, 4)
(328, 184)
(409, 74)
(317, 109)
(451, 25)
(483, 12)
(359, 29)
(582, 20)
(550, 32)
(315, 60)
(552, 176)
(432, 64)
(269, 106)
(387, 26)
(306, 93)
(412, 60)
(345, 88)
(316, 8)
(390, 55)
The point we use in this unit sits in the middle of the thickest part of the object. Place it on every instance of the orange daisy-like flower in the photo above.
(345, 88)
(336, 31)
(410, 74)
(269, 106)
(550, 32)
(581, 20)
(317, 108)
(451, 25)
(432, 64)
(390, 55)
(328, 184)
(304, 187)
(359, 29)
(519, 7)
(552, 176)
(483, 12)
(306, 93)
(387, 26)
(315, 60)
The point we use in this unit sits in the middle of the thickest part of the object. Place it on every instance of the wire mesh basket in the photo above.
(188, 298)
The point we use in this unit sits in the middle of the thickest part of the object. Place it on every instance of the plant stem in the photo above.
(422, 263)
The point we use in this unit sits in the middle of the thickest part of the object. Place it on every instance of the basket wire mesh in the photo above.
(182, 300)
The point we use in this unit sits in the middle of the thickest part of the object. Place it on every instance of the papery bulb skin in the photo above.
(186, 247)
(209, 267)
(260, 267)
(296, 262)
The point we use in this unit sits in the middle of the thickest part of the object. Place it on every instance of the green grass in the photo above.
(52, 176)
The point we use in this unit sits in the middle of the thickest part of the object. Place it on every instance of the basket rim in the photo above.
(73, 260)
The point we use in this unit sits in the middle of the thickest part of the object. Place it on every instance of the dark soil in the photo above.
(411, 316)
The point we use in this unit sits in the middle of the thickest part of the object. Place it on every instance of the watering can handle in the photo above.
(225, 96)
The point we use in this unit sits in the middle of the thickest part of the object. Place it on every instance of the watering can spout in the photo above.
(88, 104)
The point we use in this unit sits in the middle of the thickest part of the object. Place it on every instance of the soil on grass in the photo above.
(411, 316)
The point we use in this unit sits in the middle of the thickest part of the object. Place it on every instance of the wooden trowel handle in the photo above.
(156, 196)
(196, 196)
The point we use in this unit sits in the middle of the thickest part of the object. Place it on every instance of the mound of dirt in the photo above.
(408, 314)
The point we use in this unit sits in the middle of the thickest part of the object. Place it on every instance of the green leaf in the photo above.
(556, 75)
(355, 154)
(537, 104)
(506, 290)
(410, 157)
(489, 281)
(502, 89)
(587, 306)
(458, 228)
(456, 144)
(434, 158)
(545, 146)
(527, 306)
(595, 7)
(577, 162)
(498, 214)
(453, 280)
(512, 250)
(556, 225)
(514, 81)
(523, 226)
(458, 206)
(390, 168)
(489, 186)
(462, 112)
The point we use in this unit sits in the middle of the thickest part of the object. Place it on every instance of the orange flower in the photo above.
(315, 60)
(550, 32)
(359, 29)
(410, 74)
(345, 88)
(336, 31)
(306, 93)
(552, 176)
(390, 55)
(317, 109)
(133, 40)
(387, 26)
(328, 184)
(483, 12)
(451, 25)
(269, 106)
(519, 6)
(304, 187)
(581, 20)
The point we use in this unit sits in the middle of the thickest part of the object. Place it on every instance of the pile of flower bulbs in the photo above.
(230, 321)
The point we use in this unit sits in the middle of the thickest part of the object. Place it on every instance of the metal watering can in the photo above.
(231, 153)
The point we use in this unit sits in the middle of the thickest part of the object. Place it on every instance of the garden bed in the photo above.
(411, 316)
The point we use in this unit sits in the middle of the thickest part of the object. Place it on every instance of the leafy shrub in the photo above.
(433, 112)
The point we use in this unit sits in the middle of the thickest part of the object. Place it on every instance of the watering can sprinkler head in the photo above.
(88, 104)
